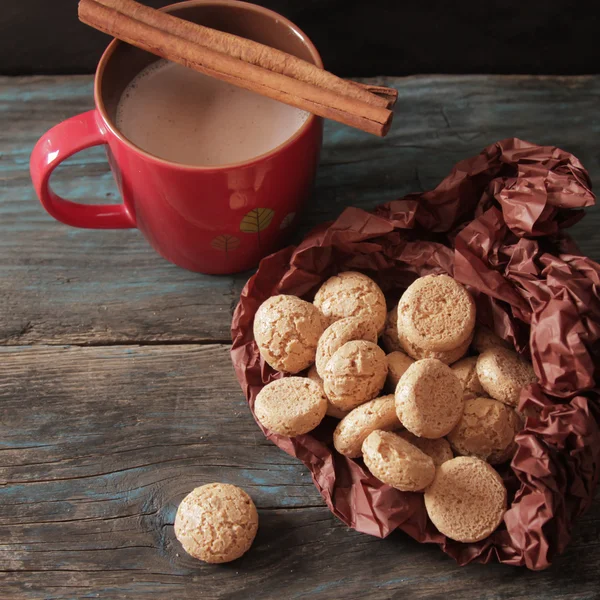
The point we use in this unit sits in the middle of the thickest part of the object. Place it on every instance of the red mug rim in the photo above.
(256, 159)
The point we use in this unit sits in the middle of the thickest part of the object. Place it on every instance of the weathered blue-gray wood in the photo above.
(99, 444)
(64, 285)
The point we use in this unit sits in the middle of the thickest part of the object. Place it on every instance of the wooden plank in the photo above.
(91, 474)
(114, 436)
(65, 285)
(62, 285)
(440, 120)
(298, 554)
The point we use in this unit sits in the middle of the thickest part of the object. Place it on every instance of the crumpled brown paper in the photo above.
(496, 223)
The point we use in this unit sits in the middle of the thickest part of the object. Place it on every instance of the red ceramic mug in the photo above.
(220, 219)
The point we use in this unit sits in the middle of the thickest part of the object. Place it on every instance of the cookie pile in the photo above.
(406, 413)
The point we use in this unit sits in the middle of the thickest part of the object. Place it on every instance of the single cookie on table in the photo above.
(287, 331)
(466, 500)
(290, 406)
(486, 430)
(397, 462)
(352, 430)
(216, 523)
(429, 399)
(340, 333)
(439, 449)
(332, 411)
(398, 362)
(389, 336)
(485, 338)
(352, 294)
(436, 313)
(466, 370)
(355, 374)
(447, 357)
(503, 374)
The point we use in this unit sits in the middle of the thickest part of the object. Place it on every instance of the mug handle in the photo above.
(55, 146)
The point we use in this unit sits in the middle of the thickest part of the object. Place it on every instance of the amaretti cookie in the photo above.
(290, 406)
(389, 335)
(397, 462)
(397, 362)
(486, 430)
(352, 294)
(354, 374)
(332, 411)
(436, 313)
(503, 374)
(216, 523)
(447, 357)
(429, 399)
(439, 449)
(338, 334)
(485, 338)
(287, 331)
(466, 500)
(466, 370)
(352, 430)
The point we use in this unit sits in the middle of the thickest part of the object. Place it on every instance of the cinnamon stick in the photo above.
(390, 95)
(247, 50)
(285, 80)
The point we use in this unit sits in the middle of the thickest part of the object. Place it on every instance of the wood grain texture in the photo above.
(117, 396)
(112, 438)
(63, 285)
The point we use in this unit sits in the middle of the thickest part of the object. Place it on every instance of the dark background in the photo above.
(355, 37)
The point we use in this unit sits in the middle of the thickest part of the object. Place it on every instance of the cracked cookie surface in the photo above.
(332, 411)
(429, 399)
(437, 313)
(503, 374)
(397, 462)
(340, 333)
(352, 294)
(486, 430)
(216, 523)
(352, 430)
(287, 331)
(466, 500)
(290, 406)
(355, 374)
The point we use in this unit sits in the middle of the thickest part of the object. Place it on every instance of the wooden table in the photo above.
(118, 397)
